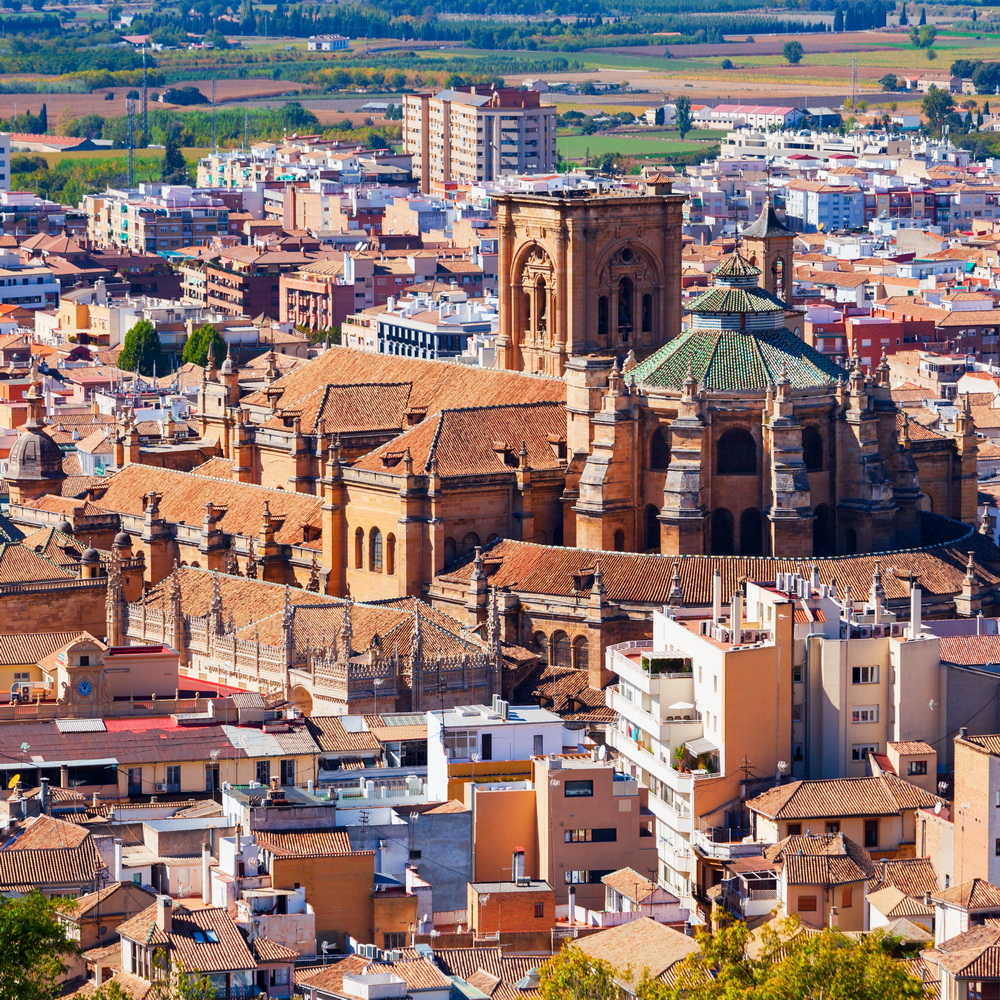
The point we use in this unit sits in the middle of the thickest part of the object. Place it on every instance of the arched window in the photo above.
(580, 652)
(540, 644)
(390, 554)
(778, 277)
(812, 448)
(619, 540)
(196, 565)
(557, 535)
(850, 542)
(359, 548)
(541, 304)
(470, 542)
(736, 453)
(602, 316)
(751, 533)
(647, 313)
(823, 531)
(659, 450)
(450, 551)
(626, 307)
(562, 650)
(652, 519)
(375, 551)
(722, 532)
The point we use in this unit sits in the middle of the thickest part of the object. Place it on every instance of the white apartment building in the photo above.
(4, 161)
(476, 135)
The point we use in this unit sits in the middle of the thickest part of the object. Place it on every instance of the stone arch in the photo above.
(375, 551)
(626, 307)
(850, 542)
(359, 548)
(302, 700)
(562, 650)
(813, 452)
(659, 450)
(492, 537)
(823, 531)
(651, 524)
(470, 542)
(603, 314)
(580, 652)
(390, 554)
(647, 313)
(540, 644)
(722, 541)
(619, 540)
(736, 453)
(195, 564)
(751, 533)
(779, 278)
(450, 551)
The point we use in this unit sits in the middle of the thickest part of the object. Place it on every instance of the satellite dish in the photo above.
(937, 808)
(325, 947)
(13, 781)
(602, 752)
(782, 766)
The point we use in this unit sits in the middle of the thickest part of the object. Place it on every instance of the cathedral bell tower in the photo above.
(768, 244)
(585, 274)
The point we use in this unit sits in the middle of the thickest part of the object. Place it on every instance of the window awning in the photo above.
(700, 746)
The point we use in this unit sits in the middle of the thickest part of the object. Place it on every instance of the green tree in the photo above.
(923, 16)
(204, 341)
(727, 64)
(33, 945)
(43, 119)
(889, 82)
(838, 20)
(903, 21)
(923, 37)
(174, 170)
(571, 974)
(141, 352)
(792, 51)
(683, 118)
(936, 106)
(787, 965)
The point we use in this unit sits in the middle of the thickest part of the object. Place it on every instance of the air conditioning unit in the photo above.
(864, 632)
(161, 786)
(898, 629)
(705, 627)
(880, 631)
(749, 635)
(723, 635)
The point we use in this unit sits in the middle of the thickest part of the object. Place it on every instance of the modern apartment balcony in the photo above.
(724, 843)
(748, 902)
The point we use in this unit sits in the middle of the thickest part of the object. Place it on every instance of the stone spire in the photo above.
(676, 597)
(985, 524)
(416, 639)
(251, 561)
(876, 595)
(345, 639)
(114, 601)
(215, 607)
(313, 583)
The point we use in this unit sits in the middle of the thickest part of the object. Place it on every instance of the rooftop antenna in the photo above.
(145, 99)
(246, 129)
(215, 135)
(130, 111)
(854, 79)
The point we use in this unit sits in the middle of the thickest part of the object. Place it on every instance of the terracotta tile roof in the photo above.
(477, 441)
(19, 564)
(630, 884)
(436, 385)
(215, 468)
(352, 408)
(914, 876)
(395, 734)
(828, 859)
(568, 693)
(83, 905)
(330, 978)
(911, 746)
(977, 894)
(972, 955)
(878, 795)
(64, 550)
(970, 650)
(266, 950)
(893, 903)
(70, 867)
(228, 952)
(331, 736)
(647, 578)
(47, 833)
(184, 497)
(30, 647)
(305, 843)
(132, 986)
(642, 946)
(490, 970)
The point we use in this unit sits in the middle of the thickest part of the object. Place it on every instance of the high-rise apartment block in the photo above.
(477, 134)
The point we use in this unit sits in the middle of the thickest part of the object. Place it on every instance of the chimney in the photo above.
(571, 900)
(43, 795)
(163, 914)
(716, 595)
(206, 874)
(517, 865)
(963, 733)
(118, 862)
(736, 617)
(239, 839)
(915, 609)
(834, 917)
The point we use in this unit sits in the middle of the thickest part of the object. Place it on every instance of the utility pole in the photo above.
(854, 79)
(215, 135)
(145, 100)
(130, 111)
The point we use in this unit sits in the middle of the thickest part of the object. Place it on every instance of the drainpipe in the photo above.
(807, 700)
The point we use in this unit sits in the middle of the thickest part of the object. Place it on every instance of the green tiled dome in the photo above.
(729, 299)
(734, 359)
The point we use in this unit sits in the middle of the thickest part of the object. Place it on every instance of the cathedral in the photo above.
(607, 425)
